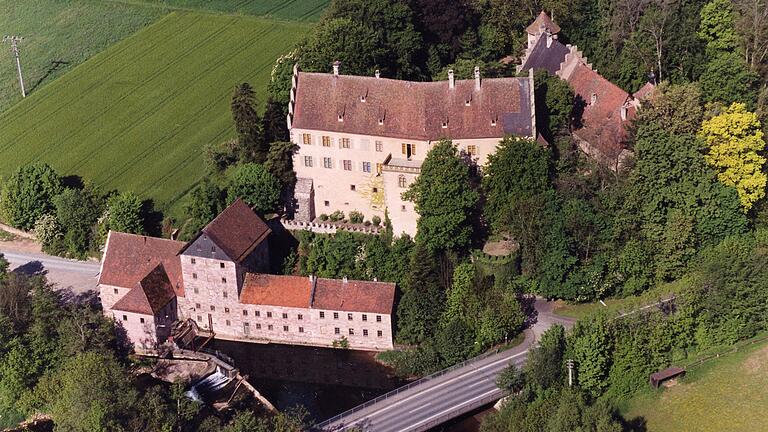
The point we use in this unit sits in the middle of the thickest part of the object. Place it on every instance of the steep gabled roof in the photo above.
(413, 110)
(541, 56)
(128, 258)
(645, 91)
(542, 21)
(602, 125)
(354, 296)
(150, 295)
(237, 230)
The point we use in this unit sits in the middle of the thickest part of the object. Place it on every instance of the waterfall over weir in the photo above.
(206, 388)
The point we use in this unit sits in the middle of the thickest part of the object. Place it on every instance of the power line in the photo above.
(14, 41)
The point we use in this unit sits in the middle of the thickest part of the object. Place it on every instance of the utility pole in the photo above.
(569, 363)
(14, 41)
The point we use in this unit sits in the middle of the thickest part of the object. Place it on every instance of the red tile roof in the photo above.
(128, 258)
(413, 110)
(150, 295)
(644, 91)
(276, 290)
(541, 56)
(330, 294)
(544, 21)
(237, 230)
(602, 125)
(354, 296)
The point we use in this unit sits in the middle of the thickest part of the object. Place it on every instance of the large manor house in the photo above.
(361, 142)
(362, 139)
(217, 281)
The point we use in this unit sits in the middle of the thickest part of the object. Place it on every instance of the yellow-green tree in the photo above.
(735, 141)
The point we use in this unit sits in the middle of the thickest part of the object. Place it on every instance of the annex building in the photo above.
(217, 280)
(362, 139)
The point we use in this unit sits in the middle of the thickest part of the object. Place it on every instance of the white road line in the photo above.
(425, 405)
(377, 412)
(428, 419)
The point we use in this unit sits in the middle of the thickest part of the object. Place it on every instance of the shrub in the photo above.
(323, 217)
(376, 220)
(356, 217)
(367, 223)
(336, 216)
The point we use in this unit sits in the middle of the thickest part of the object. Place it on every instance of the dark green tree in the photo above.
(280, 163)
(545, 366)
(255, 185)
(77, 211)
(251, 144)
(727, 79)
(206, 201)
(419, 309)
(28, 194)
(444, 200)
(553, 116)
(341, 39)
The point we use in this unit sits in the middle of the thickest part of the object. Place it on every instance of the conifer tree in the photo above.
(251, 144)
(423, 299)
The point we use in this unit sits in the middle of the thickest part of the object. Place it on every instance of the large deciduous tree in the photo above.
(422, 303)
(444, 198)
(255, 185)
(344, 40)
(125, 213)
(77, 211)
(28, 194)
(735, 141)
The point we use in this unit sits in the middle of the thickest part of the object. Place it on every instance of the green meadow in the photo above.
(300, 10)
(136, 116)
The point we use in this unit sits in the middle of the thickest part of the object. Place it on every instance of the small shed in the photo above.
(671, 372)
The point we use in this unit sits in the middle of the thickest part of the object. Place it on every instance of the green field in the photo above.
(302, 10)
(136, 116)
(725, 394)
(59, 35)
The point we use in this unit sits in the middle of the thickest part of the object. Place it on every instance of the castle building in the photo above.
(362, 139)
(217, 280)
(605, 110)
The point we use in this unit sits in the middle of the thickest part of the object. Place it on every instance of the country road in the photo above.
(439, 399)
(79, 276)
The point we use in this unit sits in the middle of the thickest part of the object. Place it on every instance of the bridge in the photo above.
(444, 395)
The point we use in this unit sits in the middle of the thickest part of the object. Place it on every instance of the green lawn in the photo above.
(725, 394)
(616, 306)
(302, 10)
(136, 116)
(59, 35)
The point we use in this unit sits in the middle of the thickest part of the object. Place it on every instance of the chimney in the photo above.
(594, 99)
(477, 78)
(375, 279)
(313, 288)
(451, 81)
(623, 113)
(377, 73)
(345, 280)
(336, 66)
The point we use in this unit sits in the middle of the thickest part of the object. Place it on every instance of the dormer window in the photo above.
(362, 98)
(493, 121)
(468, 100)
(381, 121)
(623, 113)
(341, 117)
(445, 124)
(594, 99)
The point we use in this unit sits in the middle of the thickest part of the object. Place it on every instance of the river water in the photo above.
(326, 381)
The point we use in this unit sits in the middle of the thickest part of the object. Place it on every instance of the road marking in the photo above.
(444, 383)
(428, 419)
(426, 404)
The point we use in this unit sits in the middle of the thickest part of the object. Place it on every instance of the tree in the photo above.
(252, 147)
(206, 201)
(727, 79)
(77, 211)
(553, 116)
(455, 342)
(519, 169)
(255, 185)
(717, 25)
(102, 405)
(28, 194)
(590, 346)
(418, 311)
(444, 199)
(675, 108)
(462, 302)
(280, 162)
(511, 379)
(344, 40)
(752, 26)
(125, 213)
(398, 43)
(735, 141)
(545, 366)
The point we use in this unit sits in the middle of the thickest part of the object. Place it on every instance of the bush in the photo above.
(255, 185)
(47, 230)
(28, 194)
(336, 216)
(356, 217)
(376, 221)
(323, 217)
(367, 223)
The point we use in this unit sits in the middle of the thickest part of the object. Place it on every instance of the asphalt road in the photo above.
(78, 276)
(448, 396)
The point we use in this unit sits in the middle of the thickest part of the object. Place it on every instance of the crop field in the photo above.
(136, 116)
(60, 34)
(301, 10)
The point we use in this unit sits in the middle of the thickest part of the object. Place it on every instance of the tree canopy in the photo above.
(28, 194)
